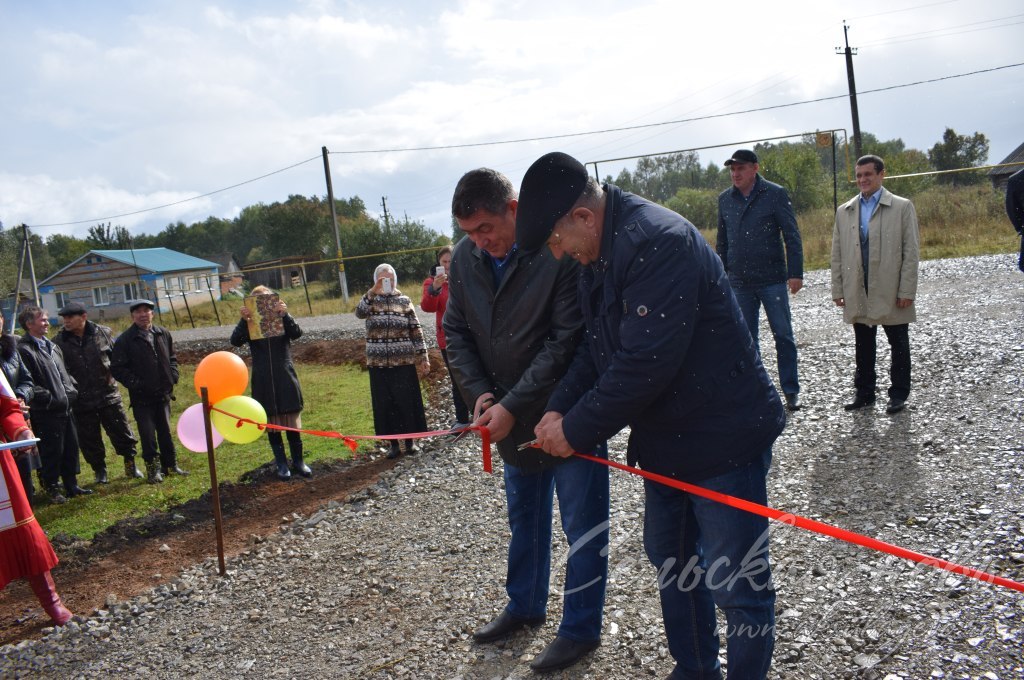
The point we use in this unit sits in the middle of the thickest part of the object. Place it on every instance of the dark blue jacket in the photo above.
(751, 234)
(666, 351)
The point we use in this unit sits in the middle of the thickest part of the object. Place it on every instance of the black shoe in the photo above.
(859, 402)
(101, 476)
(176, 470)
(411, 449)
(300, 468)
(56, 497)
(895, 406)
(561, 653)
(130, 470)
(395, 451)
(793, 401)
(76, 490)
(505, 625)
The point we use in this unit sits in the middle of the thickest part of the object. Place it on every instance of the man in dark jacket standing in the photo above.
(669, 355)
(755, 218)
(53, 393)
(512, 325)
(144, 361)
(87, 348)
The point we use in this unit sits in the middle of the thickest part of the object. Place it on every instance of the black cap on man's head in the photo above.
(135, 304)
(550, 188)
(71, 309)
(742, 156)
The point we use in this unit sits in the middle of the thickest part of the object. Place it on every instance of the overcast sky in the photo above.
(115, 107)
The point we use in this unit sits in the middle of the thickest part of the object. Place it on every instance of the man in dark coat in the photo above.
(144, 361)
(668, 354)
(87, 348)
(755, 221)
(1015, 208)
(512, 325)
(53, 393)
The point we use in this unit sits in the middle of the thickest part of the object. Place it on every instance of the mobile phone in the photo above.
(385, 286)
(438, 271)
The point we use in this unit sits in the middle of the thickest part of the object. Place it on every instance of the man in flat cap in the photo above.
(87, 348)
(512, 325)
(755, 219)
(53, 393)
(668, 354)
(144, 361)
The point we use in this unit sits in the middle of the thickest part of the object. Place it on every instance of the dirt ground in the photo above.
(126, 559)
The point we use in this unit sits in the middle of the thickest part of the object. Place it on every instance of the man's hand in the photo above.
(840, 302)
(795, 285)
(497, 419)
(903, 303)
(551, 437)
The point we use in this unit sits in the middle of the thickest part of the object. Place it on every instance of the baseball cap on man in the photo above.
(551, 187)
(742, 156)
(134, 304)
(71, 308)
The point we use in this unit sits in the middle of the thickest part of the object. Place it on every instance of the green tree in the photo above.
(105, 237)
(956, 152)
(65, 249)
(700, 206)
(796, 166)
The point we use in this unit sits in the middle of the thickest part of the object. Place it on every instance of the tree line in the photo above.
(300, 226)
(804, 168)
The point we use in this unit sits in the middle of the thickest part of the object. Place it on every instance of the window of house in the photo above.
(62, 299)
(131, 291)
(181, 283)
(100, 296)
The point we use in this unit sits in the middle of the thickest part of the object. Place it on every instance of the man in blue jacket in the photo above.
(668, 354)
(755, 217)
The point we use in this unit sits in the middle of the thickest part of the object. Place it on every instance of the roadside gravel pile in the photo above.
(392, 583)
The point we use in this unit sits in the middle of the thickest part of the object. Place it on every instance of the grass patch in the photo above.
(337, 398)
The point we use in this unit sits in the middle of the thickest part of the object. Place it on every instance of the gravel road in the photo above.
(392, 583)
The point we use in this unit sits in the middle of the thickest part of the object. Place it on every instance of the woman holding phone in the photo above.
(396, 357)
(435, 299)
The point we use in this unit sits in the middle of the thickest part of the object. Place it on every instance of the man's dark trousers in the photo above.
(899, 372)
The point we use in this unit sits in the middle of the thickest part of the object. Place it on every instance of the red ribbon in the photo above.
(731, 501)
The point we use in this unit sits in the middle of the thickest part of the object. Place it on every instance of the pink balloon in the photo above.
(192, 432)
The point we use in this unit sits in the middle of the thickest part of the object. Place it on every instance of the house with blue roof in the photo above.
(105, 280)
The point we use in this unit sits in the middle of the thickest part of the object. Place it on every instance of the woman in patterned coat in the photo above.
(396, 357)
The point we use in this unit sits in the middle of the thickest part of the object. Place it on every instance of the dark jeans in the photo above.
(115, 421)
(58, 449)
(583, 502)
(708, 554)
(775, 299)
(461, 410)
(864, 378)
(154, 421)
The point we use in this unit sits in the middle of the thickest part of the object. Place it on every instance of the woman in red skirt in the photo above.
(25, 551)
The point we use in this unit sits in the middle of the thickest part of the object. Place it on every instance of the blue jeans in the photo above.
(583, 502)
(775, 299)
(710, 554)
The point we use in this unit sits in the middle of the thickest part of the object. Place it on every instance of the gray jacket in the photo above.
(515, 341)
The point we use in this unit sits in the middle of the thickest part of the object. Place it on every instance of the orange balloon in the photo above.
(223, 374)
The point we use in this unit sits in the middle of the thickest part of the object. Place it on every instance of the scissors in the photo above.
(456, 435)
(526, 445)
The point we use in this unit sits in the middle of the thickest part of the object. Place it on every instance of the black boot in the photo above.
(153, 474)
(280, 460)
(395, 451)
(299, 467)
(411, 448)
(130, 470)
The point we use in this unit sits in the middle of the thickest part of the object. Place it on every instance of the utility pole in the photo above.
(342, 280)
(849, 52)
(387, 222)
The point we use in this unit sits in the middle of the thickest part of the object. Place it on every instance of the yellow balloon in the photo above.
(242, 407)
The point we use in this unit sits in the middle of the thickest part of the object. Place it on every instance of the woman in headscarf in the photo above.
(275, 384)
(435, 299)
(24, 550)
(396, 357)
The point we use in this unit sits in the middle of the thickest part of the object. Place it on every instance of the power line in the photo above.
(545, 138)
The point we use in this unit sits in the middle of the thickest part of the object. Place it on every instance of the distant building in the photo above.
(104, 280)
(1000, 175)
(231, 277)
(282, 272)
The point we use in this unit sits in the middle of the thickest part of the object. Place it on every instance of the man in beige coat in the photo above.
(874, 279)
